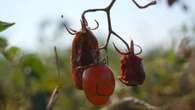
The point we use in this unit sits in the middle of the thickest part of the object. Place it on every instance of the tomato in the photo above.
(132, 71)
(84, 52)
(77, 77)
(98, 83)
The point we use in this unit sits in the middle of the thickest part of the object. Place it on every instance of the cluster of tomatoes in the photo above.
(92, 75)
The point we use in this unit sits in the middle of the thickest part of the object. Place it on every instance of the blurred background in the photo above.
(28, 74)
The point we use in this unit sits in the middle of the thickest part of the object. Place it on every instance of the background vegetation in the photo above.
(28, 79)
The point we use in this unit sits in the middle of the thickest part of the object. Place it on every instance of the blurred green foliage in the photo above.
(28, 79)
(3, 44)
(27, 83)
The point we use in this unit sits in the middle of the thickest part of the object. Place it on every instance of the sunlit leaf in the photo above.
(5, 25)
(12, 53)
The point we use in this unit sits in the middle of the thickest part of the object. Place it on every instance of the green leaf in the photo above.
(34, 64)
(5, 25)
(12, 53)
(3, 44)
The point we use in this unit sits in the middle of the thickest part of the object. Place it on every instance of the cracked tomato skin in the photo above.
(98, 84)
(84, 52)
(132, 71)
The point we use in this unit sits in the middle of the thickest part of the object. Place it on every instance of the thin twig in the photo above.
(131, 103)
(53, 98)
(107, 11)
(110, 30)
(57, 62)
(144, 6)
(55, 93)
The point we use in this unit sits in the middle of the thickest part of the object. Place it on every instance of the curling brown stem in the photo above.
(107, 11)
(110, 30)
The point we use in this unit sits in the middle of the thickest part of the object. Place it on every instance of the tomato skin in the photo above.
(77, 77)
(98, 84)
(132, 71)
(84, 52)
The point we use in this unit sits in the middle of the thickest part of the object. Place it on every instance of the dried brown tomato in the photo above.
(132, 71)
(84, 52)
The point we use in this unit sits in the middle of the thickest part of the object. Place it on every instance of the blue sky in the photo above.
(149, 27)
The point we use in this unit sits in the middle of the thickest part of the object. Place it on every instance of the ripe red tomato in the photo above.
(98, 83)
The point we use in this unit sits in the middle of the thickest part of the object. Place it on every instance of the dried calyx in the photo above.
(84, 27)
(130, 49)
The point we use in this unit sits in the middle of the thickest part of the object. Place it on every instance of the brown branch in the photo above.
(110, 30)
(107, 11)
(130, 103)
(144, 6)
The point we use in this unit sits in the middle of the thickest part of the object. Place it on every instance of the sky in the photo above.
(147, 27)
